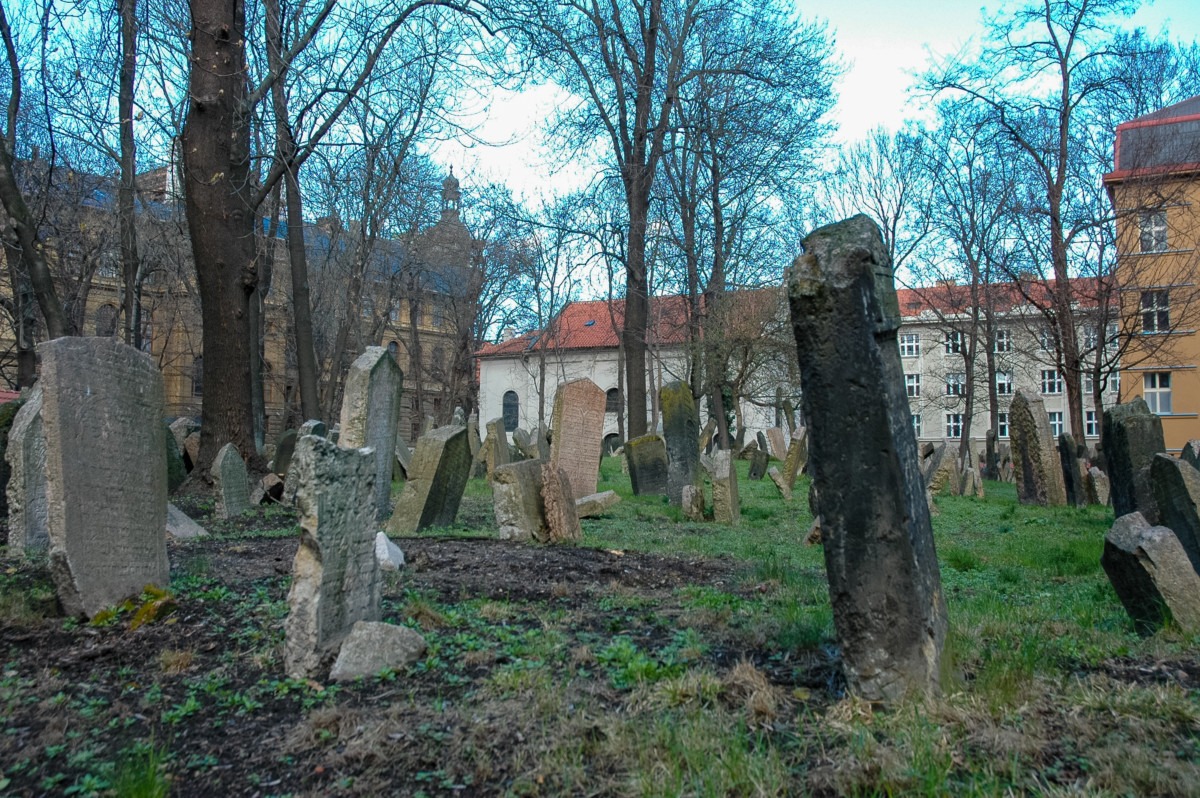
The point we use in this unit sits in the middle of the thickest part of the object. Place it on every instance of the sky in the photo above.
(884, 43)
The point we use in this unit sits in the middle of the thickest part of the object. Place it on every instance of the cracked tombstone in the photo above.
(437, 477)
(884, 582)
(1036, 463)
(28, 524)
(105, 512)
(681, 423)
(371, 416)
(1132, 436)
(578, 439)
(335, 575)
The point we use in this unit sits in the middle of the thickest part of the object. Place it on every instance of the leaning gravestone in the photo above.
(777, 443)
(797, 457)
(647, 459)
(496, 450)
(335, 576)
(884, 582)
(681, 423)
(437, 478)
(1132, 436)
(371, 415)
(1151, 574)
(1073, 487)
(105, 511)
(517, 501)
(28, 523)
(578, 440)
(1177, 494)
(562, 519)
(231, 484)
(758, 464)
(1191, 453)
(285, 447)
(1036, 463)
(726, 505)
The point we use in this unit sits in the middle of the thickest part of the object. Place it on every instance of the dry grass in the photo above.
(172, 660)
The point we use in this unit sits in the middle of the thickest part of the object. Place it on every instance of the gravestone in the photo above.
(231, 484)
(758, 464)
(285, 447)
(596, 504)
(777, 443)
(1177, 492)
(1191, 453)
(496, 447)
(562, 521)
(106, 510)
(28, 519)
(436, 481)
(176, 469)
(647, 459)
(789, 416)
(1151, 574)
(887, 606)
(312, 427)
(1132, 436)
(389, 556)
(726, 505)
(180, 429)
(473, 441)
(335, 576)
(371, 416)
(761, 439)
(1036, 464)
(402, 455)
(681, 424)
(180, 526)
(525, 444)
(578, 440)
(706, 434)
(191, 450)
(693, 502)
(517, 501)
(373, 646)
(1098, 489)
(797, 457)
(1073, 487)
(785, 490)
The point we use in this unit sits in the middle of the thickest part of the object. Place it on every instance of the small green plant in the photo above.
(140, 773)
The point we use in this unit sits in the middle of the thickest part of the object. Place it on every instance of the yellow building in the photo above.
(1155, 191)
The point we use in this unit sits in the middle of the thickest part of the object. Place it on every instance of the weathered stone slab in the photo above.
(1098, 491)
(403, 457)
(496, 447)
(285, 447)
(758, 464)
(1176, 488)
(28, 513)
(191, 450)
(562, 522)
(884, 582)
(797, 456)
(313, 426)
(785, 490)
(1073, 487)
(335, 576)
(268, 489)
(681, 425)
(388, 554)
(371, 416)
(105, 511)
(706, 434)
(372, 647)
(517, 501)
(180, 526)
(1132, 436)
(180, 429)
(437, 478)
(231, 484)
(1036, 463)
(577, 442)
(596, 504)
(1151, 574)
(1191, 453)
(647, 459)
(777, 444)
(693, 502)
(176, 468)
(727, 507)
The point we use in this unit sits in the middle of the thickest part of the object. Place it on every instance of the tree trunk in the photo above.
(125, 191)
(218, 198)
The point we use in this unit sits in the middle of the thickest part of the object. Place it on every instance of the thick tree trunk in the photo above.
(125, 191)
(218, 194)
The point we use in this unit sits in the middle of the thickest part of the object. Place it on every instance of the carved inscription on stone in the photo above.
(578, 434)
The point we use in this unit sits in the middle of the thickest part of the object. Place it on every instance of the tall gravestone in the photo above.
(727, 508)
(335, 575)
(231, 483)
(1036, 463)
(681, 425)
(646, 457)
(106, 510)
(371, 415)
(1151, 574)
(777, 443)
(285, 448)
(1132, 436)
(884, 582)
(437, 478)
(578, 440)
(1073, 473)
(496, 449)
(1177, 496)
(28, 523)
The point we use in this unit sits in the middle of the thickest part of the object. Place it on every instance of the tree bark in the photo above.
(125, 191)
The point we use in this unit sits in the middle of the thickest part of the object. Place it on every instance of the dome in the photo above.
(451, 182)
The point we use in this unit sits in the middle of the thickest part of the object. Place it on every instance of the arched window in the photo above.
(106, 321)
(511, 410)
(198, 376)
(612, 401)
(394, 350)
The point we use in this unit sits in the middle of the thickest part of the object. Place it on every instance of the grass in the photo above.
(727, 686)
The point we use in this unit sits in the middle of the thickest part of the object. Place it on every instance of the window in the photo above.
(1045, 339)
(1002, 426)
(1002, 342)
(1056, 423)
(1153, 228)
(394, 350)
(1156, 390)
(954, 425)
(1114, 331)
(916, 422)
(368, 306)
(198, 376)
(1051, 381)
(910, 345)
(1089, 384)
(438, 312)
(912, 384)
(1091, 337)
(1156, 315)
(955, 383)
(612, 401)
(106, 321)
(511, 410)
(953, 342)
(1091, 425)
(1004, 383)
(1114, 383)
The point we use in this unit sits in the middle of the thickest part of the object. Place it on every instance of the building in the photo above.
(1155, 192)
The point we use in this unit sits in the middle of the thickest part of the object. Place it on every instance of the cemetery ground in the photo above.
(657, 657)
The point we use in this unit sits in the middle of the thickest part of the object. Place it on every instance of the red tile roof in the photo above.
(950, 298)
(1164, 142)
